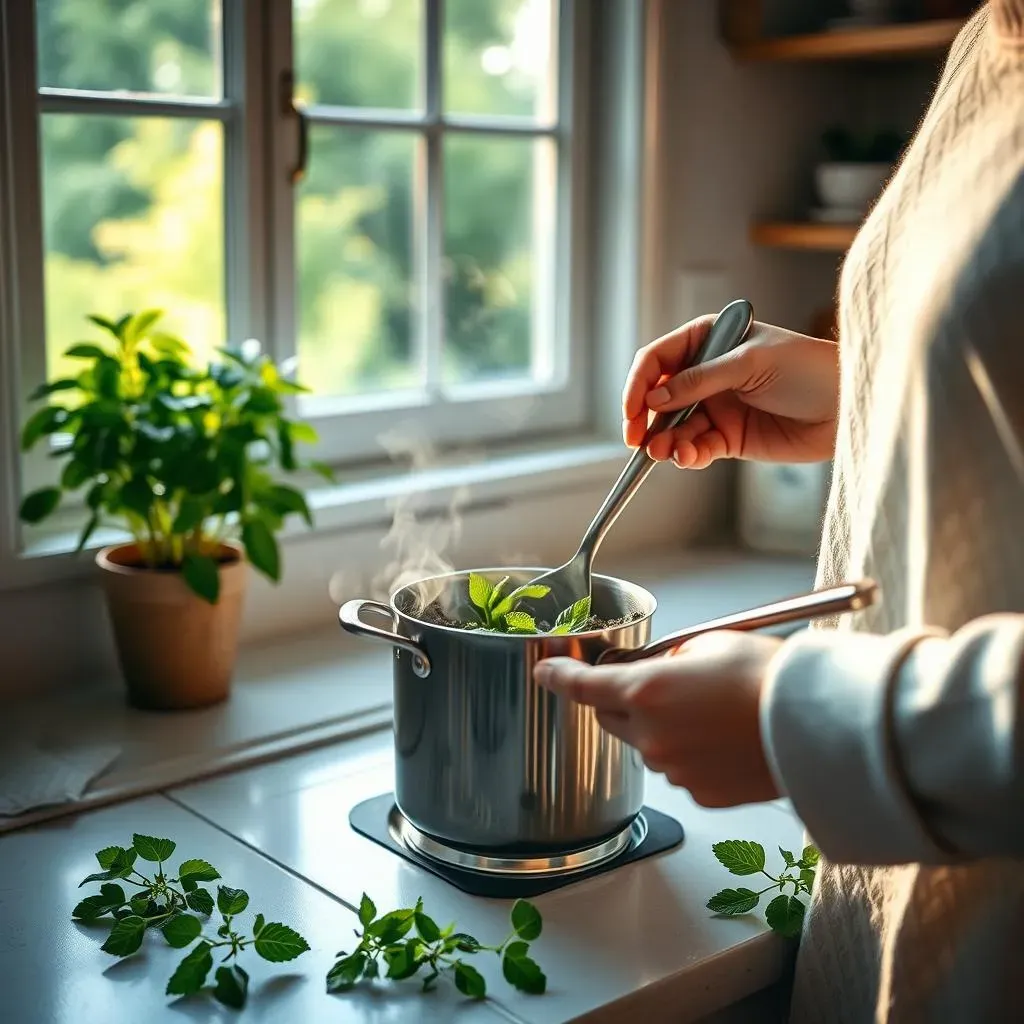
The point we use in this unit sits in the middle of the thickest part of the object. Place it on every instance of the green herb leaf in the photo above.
(190, 975)
(200, 900)
(807, 878)
(232, 986)
(152, 849)
(92, 908)
(261, 548)
(733, 901)
(788, 858)
(233, 901)
(278, 943)
(526, 920)
(198, 870)
(809, 858)
(479, 590)
(367, 910)
(139, 324)
(392, 926)
(401, 960)
(469, 981)
(523, 974)
(106, 857)
(427, 927)
(191, 513)
(182, 930)
(520, 622)
(785, 915)
(285, 500)
(85, 350)
(740, 856)
(463, 943)
(202, 576)
(125, 937)
(258, 925)
(344, 974)
(39, 504)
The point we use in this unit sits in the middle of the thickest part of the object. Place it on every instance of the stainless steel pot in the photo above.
(487, 760)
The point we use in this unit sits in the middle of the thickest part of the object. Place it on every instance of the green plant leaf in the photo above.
(344, 974)
(86, 350)
(39, 504)
(807, 877)
(785, 915)
(152, 849)
(527, 591)
(191, 513)
(520, 622)
(199, 870)
(733, 901)
(125, 937)
(740, 856)
(367, 910)
(110, 897)
(47, 420)
(137, 496)
(202, 575)
(303, 433)
(285, 500)
(106, 857)
(137, 327)
(278, 943)
(168, 345)
(787, 857)
(479, 590)
(464, 943)
(469, 981)
(427, 927)
(74, 475)
(809, 858)
(523, 974)
(200, 900)
(190, 974)
(526, 920)
(258, 925)
(261, 548)
(231, 901)
(323, 470)
(392, 926)
(53, 387)
(402, 961)
(182, 930)
(232, 986)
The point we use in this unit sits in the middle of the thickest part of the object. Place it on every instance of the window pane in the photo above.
(133, 215)
(499, 233)
(359, 53)
(170, 47)
(356, 243)
(499, 57)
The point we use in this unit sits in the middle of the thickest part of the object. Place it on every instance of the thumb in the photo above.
(701, 381)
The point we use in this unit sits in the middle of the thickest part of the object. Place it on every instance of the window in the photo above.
(382, 189)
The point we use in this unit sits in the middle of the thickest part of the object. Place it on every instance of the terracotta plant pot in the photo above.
(176, 650)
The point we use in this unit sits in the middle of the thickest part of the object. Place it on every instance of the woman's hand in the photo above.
(774, 398)
(692, 716)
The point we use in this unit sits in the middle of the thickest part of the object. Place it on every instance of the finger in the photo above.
(603, 687)
(703, 380)
(709, 447)
(661, 358)
(619, 724)
(663, 445)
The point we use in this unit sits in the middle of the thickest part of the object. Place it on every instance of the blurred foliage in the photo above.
(134, 206)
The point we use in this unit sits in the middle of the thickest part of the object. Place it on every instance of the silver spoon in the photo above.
(571, 582)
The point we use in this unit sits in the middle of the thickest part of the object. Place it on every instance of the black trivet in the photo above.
(370, 819)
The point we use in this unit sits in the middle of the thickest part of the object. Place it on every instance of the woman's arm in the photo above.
(900, 748)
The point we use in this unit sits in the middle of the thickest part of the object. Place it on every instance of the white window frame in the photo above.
(603, 253)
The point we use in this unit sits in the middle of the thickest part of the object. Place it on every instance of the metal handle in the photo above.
(350, 617)
(848, 597)
(729, 329)
(286, 94)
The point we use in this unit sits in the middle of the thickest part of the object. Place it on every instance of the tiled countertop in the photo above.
(633, 943)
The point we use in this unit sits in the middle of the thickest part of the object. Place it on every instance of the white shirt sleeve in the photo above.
(902, 748)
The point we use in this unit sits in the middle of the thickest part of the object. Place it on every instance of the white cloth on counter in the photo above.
(32, 777)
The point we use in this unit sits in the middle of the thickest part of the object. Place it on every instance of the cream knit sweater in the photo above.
(899, 735)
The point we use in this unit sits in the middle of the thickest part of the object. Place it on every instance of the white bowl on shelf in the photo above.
(850, 186)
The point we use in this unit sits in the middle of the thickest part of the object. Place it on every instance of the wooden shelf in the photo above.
(810, 237)
(884, 42)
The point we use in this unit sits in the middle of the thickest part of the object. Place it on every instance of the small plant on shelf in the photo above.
(182, 457)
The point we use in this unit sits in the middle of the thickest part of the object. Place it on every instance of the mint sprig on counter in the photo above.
(401, 943)
(170, 903)
(784, 913)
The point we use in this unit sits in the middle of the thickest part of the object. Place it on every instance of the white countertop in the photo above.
(636, 942)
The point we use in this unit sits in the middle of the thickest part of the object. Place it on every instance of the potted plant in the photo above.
(854, 171)
(182, 457)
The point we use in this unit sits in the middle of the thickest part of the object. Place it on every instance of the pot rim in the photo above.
(107, 564)
(645, 595)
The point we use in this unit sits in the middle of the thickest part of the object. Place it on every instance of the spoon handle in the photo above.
(729, 329)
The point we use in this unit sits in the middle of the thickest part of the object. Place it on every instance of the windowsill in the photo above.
(323, 686)
(366, 498)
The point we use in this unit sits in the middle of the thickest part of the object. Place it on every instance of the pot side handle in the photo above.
(847, 597)
(350, 617)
